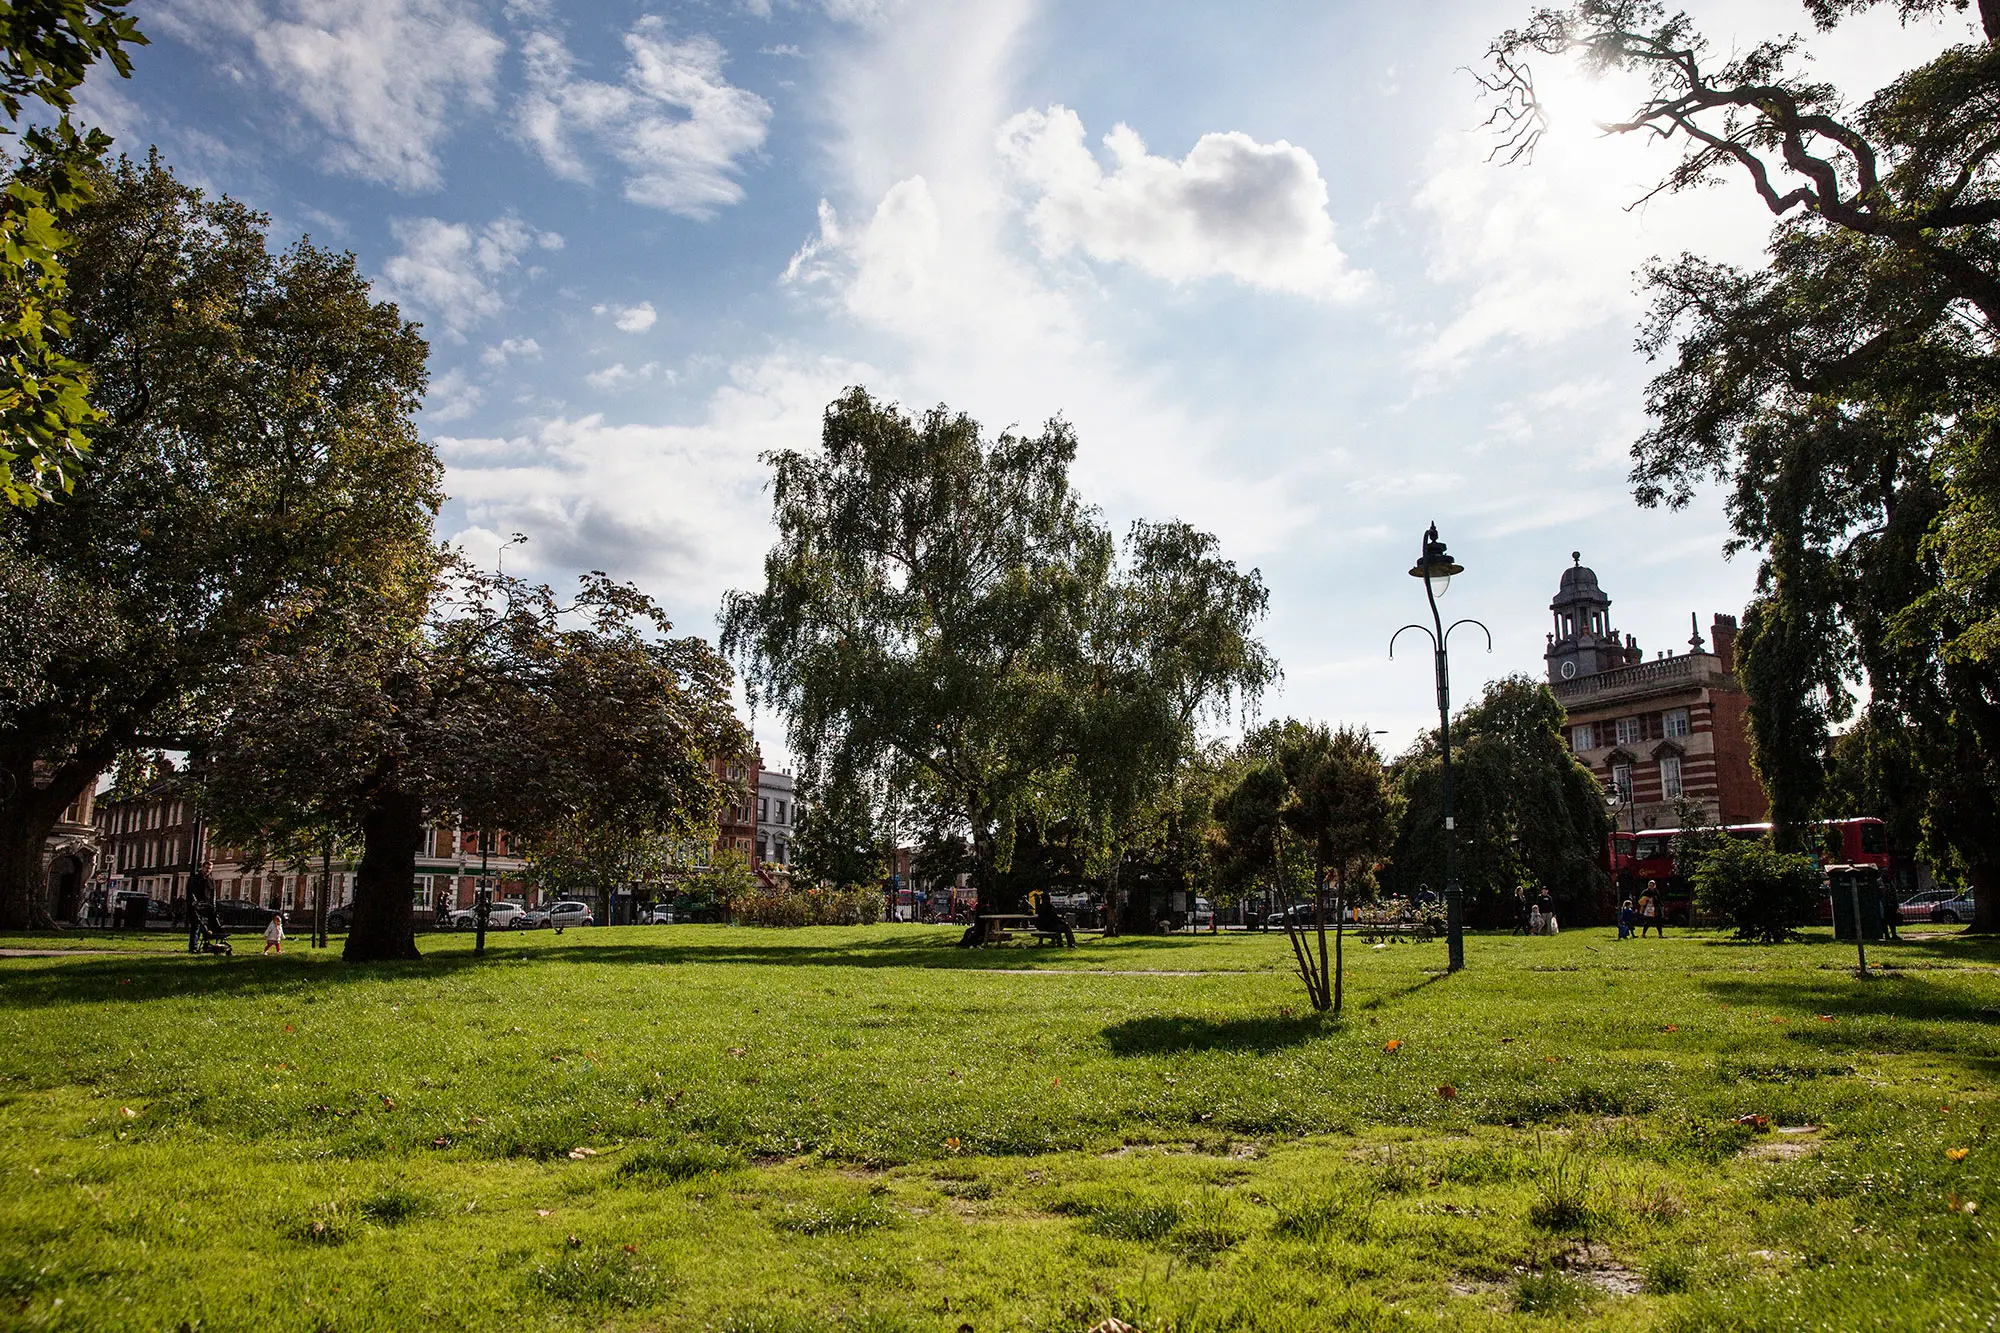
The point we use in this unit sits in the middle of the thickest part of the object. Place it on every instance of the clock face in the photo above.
(1569, 670)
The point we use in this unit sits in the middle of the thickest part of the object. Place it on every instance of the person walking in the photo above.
(1625, 915)
(274, 934)
(1649, 910)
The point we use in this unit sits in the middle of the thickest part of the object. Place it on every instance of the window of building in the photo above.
(1670, 777)
(763, 850)
(1621, 780)
(1676, 722)
(763, 809)
(781, 812)
(1629, 732)
(1581, 737)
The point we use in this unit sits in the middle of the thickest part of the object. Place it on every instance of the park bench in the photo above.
(1383, 928)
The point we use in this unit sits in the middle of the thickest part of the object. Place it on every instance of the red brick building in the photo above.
(1660, 731)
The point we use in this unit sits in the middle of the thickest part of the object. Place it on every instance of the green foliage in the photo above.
(46, 49)
(957, 651)
(794, 902)
(717, 887)
(1842, 391)
(1765, 893)
(577, 726)
(257, 475)
(1530, 815)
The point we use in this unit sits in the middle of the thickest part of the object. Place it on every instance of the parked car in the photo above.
(127, 901)
(1953, 909)
(1300, 914)
(499, 916)
(659, 914)
(569, 914)
(232, 914)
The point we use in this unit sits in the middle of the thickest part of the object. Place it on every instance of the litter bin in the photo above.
(1853, 888)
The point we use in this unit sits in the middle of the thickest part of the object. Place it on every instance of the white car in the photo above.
(499, 916)
(658, 915)
(569, 914)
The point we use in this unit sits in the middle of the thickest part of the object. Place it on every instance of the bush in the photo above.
(1765, 893)
(785, 904)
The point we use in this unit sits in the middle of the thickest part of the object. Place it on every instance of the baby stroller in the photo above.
(209, 928)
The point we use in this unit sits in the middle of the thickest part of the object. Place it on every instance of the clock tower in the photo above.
(1583, 642)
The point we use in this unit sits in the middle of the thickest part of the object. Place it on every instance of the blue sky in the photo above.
(1252, 253)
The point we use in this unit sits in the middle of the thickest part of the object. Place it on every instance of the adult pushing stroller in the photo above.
(208, 928)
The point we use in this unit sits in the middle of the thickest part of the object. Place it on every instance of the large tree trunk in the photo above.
(383, 927)
(1985, 878)
(26, 821)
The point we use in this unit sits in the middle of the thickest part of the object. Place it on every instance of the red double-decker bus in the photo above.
(1632, 859)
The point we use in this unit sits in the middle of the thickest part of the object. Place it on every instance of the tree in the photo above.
(1765, 893)
(943, 622)
(1315, 803)
(486, 698)
(1170, 646)
(840, 838)
(581, 856)
(1530, 816)
(1843, 392)
(256, 469)
(46, 49)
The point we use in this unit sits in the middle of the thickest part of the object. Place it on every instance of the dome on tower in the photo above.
(1577, 576)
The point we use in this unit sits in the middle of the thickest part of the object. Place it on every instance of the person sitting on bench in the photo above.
(1049, 922)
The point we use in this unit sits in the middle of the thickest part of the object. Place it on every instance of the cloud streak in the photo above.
(379, 79)
(676, 126)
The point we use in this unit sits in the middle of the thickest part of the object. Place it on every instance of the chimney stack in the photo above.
(1723, 635)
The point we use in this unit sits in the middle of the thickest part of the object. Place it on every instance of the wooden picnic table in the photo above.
(997, 926)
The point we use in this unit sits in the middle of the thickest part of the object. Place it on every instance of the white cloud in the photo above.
(500, 353)
(453, 271)
(452, 397)
(674, 123)
(679, 507)
(629, 318)
(619, 376)
(1232, 207)
(380, 78)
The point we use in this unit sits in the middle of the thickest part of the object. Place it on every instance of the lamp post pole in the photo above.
(1435, 567)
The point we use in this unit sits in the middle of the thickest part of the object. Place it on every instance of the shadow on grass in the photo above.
(1390, 997)
(1922, 1010)
(1166, 1034)
(144, 975)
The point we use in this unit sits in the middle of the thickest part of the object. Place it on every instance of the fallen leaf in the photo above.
(1671, 1027)
(1393, 1044)
(543, 1212)
(1755, 1121)
(629, 1249)
(441, 1141)
(128, 1113)
(573, 1243)
(1824, 1018)
(1055, 1083)
(288, 1027)
(578, 1154)
(1447, 1092)
(1957, 1154)
(736, 1051)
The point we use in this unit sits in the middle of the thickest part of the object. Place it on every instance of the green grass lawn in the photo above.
(700, 1127)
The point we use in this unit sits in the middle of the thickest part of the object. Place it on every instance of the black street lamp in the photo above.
(1435, 567)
